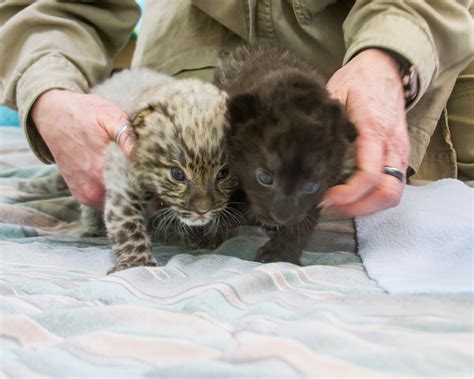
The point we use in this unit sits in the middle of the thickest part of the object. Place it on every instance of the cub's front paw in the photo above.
(278, 252)
(124, 264)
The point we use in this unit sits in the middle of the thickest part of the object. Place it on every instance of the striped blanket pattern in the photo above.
(204, 314)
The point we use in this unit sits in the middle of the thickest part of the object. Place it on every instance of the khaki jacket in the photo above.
(69, 45)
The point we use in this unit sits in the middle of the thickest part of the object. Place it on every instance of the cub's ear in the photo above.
(307, 95)
(242, 109)
(138, 119)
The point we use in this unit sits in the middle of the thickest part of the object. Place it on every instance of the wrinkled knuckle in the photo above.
(400, 149)
(404, 163)
(402, 137)
(373, 130)
(368, 131)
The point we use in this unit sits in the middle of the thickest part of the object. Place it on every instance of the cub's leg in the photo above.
(123, 214)
(126, 228)
(288, 242)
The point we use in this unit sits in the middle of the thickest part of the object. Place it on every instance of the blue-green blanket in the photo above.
(204, 314)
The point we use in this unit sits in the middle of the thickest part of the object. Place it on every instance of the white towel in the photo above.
(425, 244)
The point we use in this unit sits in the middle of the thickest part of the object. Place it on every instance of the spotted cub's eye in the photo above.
(178, 174)
(310, 187)
(222, 174)
(264, 177)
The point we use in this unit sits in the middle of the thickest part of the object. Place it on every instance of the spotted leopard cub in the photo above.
(177, 160)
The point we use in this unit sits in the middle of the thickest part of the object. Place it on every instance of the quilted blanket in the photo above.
(204, 314)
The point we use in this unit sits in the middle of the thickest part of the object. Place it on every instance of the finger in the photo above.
(121, 135)
(94, 202)
(127, 144)
(396, 166)
(114, 122)
(386, 194)
(89, 191)
(336, 90)
(123, 138)
(94, 196)
(369, 161)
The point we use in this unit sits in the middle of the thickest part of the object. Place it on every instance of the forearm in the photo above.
(58, 45)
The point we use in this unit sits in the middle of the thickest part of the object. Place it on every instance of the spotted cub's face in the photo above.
(179, 152)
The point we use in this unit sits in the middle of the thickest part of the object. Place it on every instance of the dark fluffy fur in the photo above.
(282, 121)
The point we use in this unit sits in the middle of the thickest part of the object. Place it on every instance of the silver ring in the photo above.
(122, 130)
(392, 171)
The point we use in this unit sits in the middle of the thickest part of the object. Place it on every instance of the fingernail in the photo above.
(325, 204)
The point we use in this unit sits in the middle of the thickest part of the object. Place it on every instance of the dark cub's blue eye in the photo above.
(178, 174)
(222, 174)
(264, 177)
(310, 187)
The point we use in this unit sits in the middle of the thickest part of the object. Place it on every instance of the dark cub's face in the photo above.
(286, 143)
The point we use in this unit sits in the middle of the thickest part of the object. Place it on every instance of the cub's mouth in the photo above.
(156, 206)
(192, 218)
(195, 219)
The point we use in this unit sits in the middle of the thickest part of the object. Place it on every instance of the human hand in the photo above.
(77, 129)
(370, 88)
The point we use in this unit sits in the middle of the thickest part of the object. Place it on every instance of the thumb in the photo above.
(120, 131)
(124, 139)
(115, 122)
(337, 88)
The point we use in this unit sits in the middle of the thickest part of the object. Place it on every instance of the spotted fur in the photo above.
(176, 125)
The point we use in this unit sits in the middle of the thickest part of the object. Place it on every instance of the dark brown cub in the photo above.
(286, 142)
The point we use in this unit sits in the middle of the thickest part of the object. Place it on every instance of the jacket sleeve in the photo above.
(432, 35)
(68, 45)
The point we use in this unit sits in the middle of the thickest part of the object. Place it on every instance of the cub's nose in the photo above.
(201, 212)
(201, 206)
(282, 213)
